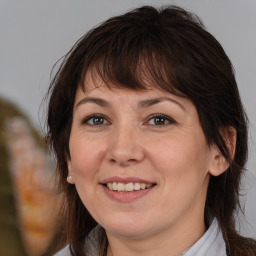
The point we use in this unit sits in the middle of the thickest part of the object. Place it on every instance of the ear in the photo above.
(219, 164)
(70, 178)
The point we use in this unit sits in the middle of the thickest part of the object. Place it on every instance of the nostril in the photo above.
(123, 161)
(126, 155)
(127, 162)
(112, 160)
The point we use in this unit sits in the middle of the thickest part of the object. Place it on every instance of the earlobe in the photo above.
(219, 163)
(70, 178)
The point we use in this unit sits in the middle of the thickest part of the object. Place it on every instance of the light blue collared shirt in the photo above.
(210, 244)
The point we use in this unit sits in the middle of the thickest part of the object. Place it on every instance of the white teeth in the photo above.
(128, 187)
(110, 186)
(137, 186)
(142, 185)
(120, 186)
(114, 186)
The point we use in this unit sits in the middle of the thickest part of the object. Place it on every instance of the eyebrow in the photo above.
(141, 104)
(98, 101)
(150, 102)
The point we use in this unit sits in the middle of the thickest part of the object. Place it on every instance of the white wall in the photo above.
(35, 34)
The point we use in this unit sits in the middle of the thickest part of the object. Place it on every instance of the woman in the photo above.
(150, 138)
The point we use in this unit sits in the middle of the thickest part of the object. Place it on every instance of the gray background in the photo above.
(34, 34)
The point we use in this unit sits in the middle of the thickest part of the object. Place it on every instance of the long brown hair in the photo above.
(171, 48)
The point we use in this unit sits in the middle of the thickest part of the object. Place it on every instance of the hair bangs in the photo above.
(132, 62)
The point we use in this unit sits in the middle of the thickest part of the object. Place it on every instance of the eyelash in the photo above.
(161, 117)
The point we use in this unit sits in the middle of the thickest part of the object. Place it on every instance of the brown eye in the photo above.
(160, 120)
(95, 120)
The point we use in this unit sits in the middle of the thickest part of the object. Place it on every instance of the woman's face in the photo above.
(139, 160)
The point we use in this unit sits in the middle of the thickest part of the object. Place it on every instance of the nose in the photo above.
(125, 147)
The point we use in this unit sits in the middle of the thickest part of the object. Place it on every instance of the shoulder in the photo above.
(64, 252)
(91, 243)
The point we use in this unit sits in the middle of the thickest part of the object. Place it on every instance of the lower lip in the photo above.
(126, 197)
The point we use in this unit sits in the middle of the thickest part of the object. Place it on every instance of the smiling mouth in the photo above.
(127, 187)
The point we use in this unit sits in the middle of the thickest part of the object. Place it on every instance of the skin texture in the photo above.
(128, 140)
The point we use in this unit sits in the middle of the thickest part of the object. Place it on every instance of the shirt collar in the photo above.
(210, 244)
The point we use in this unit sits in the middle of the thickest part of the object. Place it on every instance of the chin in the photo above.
(128, 233)
(128, 227)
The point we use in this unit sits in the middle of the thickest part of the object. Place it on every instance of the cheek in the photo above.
(181, 161)
(85, 164)
(183, 167)
(86, 157)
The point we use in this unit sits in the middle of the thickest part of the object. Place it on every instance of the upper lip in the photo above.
(125, 180)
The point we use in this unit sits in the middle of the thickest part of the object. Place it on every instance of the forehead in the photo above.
(94, 87)
(93, 84)
(96, 78)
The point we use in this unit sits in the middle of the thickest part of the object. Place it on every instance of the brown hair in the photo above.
(171, 48)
